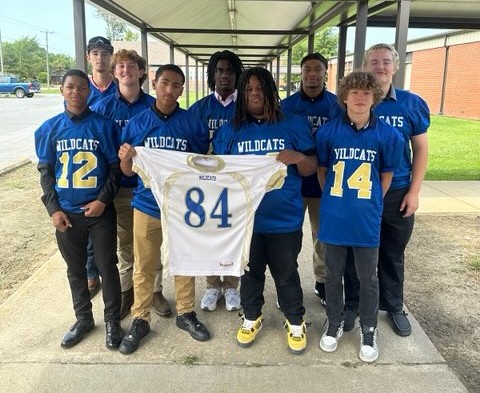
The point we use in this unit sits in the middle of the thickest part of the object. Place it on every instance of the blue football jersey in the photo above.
(80, 153)
(409, 114)
(96, 95)
(317, 111)
(179, 131)
(352, 201)
(281, 211)
(115, 107)
(213, 112)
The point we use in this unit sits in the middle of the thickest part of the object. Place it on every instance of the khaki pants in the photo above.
(229, 282)
(125, 242)
(313, 207)
(147, 240)
(184, 294)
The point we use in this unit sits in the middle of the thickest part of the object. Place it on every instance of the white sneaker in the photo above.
(330, 337)
(232, 299)
(210, 299)
(368, 344)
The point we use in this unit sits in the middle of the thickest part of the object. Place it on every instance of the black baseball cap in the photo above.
(101, 43)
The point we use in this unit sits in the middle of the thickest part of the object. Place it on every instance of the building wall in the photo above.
(440, 65)
(462, 98)
(427, 75)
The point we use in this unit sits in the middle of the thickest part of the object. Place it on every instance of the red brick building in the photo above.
(443, 70)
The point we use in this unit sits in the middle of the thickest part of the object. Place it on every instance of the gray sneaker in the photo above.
(210, 299)
(232, 299)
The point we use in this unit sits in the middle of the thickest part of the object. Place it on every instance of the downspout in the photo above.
(444, 77)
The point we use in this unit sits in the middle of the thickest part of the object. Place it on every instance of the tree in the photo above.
(59, 63)
(130, 35)
(26, 59)
(325, 42)
(116, 30)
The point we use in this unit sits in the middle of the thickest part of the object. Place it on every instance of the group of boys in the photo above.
(95, 199)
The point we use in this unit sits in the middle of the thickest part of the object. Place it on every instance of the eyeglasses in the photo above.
(226, 71)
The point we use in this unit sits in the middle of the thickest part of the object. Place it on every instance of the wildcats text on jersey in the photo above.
(166, 142)
(77, 144)
(122, 123)
(351, 153)
(317, 121)
(213, 124)
(396, 121)
(273, 145)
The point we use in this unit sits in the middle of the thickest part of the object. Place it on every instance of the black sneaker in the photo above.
(192, 325)
(320, 292)
(130, 343)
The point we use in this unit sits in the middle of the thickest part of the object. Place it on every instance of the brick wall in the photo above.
(462, 98)
(427, 74)
(462, 85)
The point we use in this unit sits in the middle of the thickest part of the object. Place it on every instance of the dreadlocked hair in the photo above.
(234, 61)
(271, 110)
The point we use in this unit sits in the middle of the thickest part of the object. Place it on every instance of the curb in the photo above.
(12, 167)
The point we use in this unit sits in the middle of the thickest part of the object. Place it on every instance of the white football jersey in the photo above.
(207, 206)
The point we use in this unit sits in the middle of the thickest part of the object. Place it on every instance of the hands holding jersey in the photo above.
(306, 165)
(126, 153)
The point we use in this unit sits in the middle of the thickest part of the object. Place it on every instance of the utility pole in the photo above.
(48, 66)
(1, 52)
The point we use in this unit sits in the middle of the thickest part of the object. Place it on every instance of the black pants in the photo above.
(73, 247)
(365, 262)
(394, 236)
(280, 253)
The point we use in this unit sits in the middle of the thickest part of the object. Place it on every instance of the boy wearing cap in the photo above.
(99, 54)
(101, 85)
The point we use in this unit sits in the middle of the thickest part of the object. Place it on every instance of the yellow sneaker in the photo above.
(296, 337)
(248, 331)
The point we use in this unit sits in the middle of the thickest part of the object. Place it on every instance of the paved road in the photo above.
(19, 118)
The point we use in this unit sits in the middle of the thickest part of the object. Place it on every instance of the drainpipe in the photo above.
(444, 77)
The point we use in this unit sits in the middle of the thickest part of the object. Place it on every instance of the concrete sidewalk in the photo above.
(34, 319)
(457, 197)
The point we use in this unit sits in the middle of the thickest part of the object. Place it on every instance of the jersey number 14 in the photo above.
(359, 180)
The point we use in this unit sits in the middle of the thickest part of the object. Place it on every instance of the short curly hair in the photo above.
(359, 80)
(131, 55)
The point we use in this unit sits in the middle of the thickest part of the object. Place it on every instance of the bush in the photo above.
(42, 77)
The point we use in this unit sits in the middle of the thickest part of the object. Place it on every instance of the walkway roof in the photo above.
(260, 30)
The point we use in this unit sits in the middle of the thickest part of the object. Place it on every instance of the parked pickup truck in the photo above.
(11, 85)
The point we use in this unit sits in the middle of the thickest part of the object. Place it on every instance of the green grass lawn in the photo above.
(454, 149)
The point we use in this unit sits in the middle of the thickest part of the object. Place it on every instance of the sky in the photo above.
(33, 18)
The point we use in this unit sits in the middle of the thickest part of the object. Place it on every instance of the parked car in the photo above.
(11, 85)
